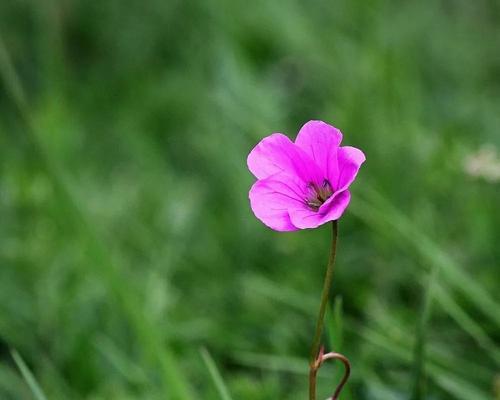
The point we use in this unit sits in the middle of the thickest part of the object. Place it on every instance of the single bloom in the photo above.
(303, 184)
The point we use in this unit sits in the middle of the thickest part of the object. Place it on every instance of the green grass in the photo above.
(28, 376)
(126, 239)
(215, 375)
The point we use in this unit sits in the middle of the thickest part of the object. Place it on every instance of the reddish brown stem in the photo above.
(347, 370)
(315, 358)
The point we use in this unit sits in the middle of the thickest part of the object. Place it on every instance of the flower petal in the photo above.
(273, 197)
(321, 141)
(307, 218)
(350, 160)
(278, 154)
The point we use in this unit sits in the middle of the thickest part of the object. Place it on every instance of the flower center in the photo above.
(318, 194)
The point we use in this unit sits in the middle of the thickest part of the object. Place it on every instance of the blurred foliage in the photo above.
(126, 239)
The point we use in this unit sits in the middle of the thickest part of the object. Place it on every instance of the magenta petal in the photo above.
(350, 160)
(278, 154)
(273, 197)
(321, 141)
(306, 218)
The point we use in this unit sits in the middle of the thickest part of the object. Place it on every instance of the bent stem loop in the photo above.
(347, 370)
(317, 356)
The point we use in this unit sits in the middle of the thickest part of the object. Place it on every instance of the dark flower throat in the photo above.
(318, 194)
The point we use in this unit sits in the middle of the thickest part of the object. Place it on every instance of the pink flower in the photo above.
(303, 184)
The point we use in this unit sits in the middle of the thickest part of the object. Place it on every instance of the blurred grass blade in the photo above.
(288, 364)
(377, 388)
(28, 376)
(468, 324)
(457, 387)
(281, 293)
(119, 361)
(11, 79)
(335, 331)
(418, 392)
(379, 213)
(154, 350)
(215, 375)
(442, 377)
(335, 325)
(436, 354)
(431, 252)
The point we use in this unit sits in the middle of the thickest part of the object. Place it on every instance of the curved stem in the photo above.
(347, 370)
(315, 358)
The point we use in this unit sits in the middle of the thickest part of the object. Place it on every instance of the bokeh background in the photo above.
(131, 266)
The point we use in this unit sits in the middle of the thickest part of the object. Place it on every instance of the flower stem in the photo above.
(315, 349)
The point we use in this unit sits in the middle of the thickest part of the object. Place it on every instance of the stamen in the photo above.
(318, 194)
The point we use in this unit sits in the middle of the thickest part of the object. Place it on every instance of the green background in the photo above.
(127, 245)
